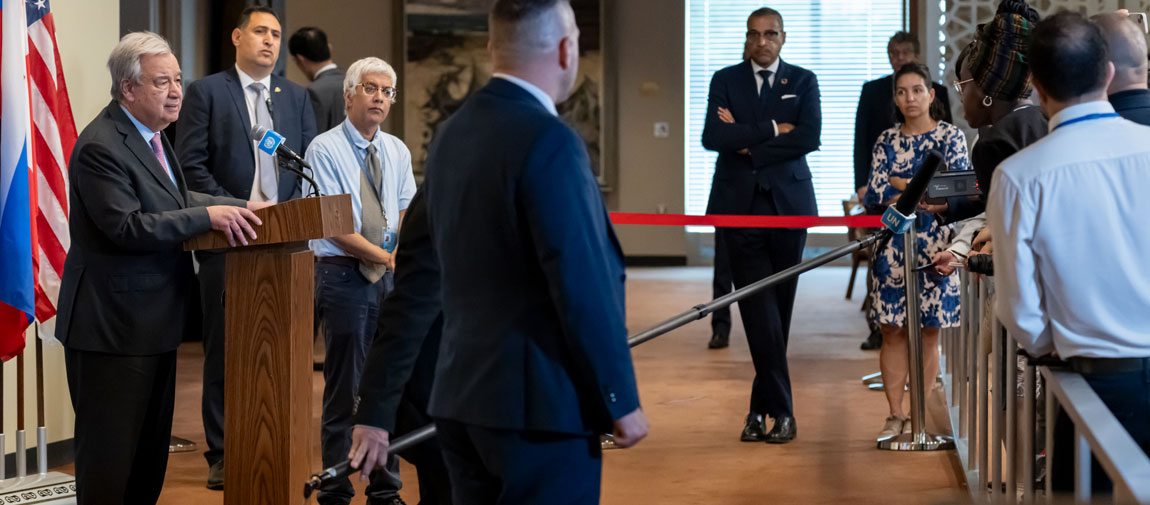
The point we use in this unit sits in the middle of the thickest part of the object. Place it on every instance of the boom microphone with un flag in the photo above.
(272, 143)
(896, 220)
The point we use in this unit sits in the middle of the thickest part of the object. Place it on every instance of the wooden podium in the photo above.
(268, 302)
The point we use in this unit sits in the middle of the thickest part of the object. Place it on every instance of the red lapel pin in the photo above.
(784, 81)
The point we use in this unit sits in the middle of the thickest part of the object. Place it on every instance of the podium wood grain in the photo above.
(268, 309)
(293, 220)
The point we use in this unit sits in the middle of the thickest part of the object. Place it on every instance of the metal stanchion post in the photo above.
(963, 343)
(996, 411)
(1010, 373)
(918, 439)
(983, 409)
(1029, 424)
(1051, 412)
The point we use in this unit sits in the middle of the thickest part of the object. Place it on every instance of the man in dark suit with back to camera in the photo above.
(1126, 44)
(534, 363)
(763, 117)
(126, 296)
(219, 158)
(312, 54)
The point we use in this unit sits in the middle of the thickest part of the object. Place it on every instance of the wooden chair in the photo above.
(852, 208)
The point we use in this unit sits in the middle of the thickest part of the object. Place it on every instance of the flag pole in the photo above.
(41, 426)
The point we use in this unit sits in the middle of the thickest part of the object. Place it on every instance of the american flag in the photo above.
(51, 133)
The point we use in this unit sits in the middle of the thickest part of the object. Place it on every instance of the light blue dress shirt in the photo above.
(1068, 220)
(147, 133)
(338, 157)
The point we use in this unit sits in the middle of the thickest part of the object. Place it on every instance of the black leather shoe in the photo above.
(390, 501)
(783, 431)
(755, 430)
(216, 476)
(718, 341)
(873, 341)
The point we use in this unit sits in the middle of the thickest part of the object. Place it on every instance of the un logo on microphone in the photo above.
(271, 142)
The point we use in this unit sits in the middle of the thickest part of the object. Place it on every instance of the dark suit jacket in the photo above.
(128, 286)
(1009, 135)
(213, 139)
(532, 274)
(876, 115)
(403, 354)
(326, 94)
(776, 163)
(1133, 104)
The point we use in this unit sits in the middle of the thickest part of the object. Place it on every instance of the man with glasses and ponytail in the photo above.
(354, 272)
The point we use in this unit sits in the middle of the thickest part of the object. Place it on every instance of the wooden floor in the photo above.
(696, 400)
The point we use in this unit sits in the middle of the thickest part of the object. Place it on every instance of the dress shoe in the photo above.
(755, 430)
(395, 500)
(873, 341)
(718, 341)
(783, 431)
(216, 476)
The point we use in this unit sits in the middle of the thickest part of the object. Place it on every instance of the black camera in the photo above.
(948, 184)
(981, 264)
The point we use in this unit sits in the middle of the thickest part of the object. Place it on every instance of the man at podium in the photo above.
(128, 289)
(354, 272)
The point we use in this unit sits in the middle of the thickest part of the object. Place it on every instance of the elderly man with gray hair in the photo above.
(128, 289)
(354, 272)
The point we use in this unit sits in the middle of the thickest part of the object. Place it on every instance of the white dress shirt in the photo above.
(543, 98)
(774, 68)
(1068, 217)
(337, 157)
(252, 98)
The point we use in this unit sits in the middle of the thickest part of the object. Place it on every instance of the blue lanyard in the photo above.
(1088, 117)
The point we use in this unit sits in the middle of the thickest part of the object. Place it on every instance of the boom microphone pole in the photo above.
(895, 219)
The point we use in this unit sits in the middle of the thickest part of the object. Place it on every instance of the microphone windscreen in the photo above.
(258, 132)
(917, 186)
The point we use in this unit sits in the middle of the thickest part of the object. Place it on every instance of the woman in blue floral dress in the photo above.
(898, 154)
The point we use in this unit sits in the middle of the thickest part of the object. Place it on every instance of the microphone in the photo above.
(899, 217)
(272, 143)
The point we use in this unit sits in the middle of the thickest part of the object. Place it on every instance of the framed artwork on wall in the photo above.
(445, 60)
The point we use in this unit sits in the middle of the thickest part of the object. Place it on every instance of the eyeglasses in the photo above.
(388, 91)
(959, 85)
(753, 36)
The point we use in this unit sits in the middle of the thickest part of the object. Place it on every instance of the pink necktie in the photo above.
(158, 149)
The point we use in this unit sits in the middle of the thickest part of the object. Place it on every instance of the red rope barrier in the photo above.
(725, 221)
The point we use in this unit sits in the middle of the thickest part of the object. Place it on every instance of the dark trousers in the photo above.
(756, 253)
(123, 425)
(491, 466)
(721, 285)
(349, 306)
(211, 276)
(1128, 397)
(434, 483)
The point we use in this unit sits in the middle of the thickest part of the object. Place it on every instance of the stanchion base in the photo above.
(908, 442)
(178, 444)
(874, 378)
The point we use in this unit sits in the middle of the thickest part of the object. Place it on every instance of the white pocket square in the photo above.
(787, 97)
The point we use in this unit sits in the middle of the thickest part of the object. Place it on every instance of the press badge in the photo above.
(389, 241)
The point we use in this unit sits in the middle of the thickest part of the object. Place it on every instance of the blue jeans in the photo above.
(349, 306)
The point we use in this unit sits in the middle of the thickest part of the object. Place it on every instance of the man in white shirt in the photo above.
(353, 272)
(1068, 220)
